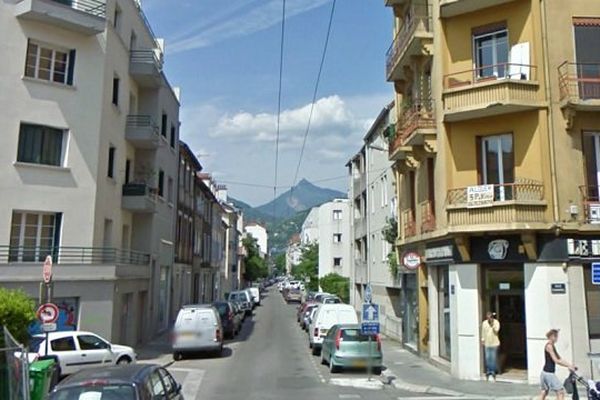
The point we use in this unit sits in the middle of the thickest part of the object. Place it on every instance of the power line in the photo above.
(314, 98)
(279, 105)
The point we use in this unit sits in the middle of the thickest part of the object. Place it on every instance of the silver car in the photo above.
(244, 299)
(197, 328)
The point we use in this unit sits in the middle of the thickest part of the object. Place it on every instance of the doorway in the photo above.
(505, 295)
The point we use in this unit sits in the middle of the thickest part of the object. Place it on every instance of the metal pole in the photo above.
(369, 368)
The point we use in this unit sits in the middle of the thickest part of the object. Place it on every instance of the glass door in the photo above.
(497, 165)
(444, 312)
(491, 54)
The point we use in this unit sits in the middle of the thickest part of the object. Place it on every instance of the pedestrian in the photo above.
(548, 379)
(490, 341)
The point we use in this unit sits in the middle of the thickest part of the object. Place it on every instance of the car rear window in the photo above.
(354, 335)
(63, 344)
(106, 392)
(222, 308)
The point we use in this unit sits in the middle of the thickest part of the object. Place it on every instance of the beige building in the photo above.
(89, 155)
(495, 154)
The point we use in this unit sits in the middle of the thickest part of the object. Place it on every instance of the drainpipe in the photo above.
(550, 114)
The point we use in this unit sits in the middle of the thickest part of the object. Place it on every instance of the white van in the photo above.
(255, 292)
(197, 328)
(326, 316)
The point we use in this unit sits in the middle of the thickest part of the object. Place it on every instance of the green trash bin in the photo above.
(40, 378)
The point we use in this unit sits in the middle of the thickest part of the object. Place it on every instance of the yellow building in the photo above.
(497, 166)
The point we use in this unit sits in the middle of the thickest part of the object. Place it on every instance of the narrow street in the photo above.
(270, 360)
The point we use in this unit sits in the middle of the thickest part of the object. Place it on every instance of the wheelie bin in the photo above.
(40, 378)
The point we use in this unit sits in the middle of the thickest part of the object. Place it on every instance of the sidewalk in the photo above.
(412, 373)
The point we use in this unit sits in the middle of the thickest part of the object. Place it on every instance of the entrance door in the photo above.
(444, 312)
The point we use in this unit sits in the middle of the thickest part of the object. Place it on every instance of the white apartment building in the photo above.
(258, 232)
(293, 254)
(89, 159)
(373, 201)
(329, 226)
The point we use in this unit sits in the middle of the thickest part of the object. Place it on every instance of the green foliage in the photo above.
(392, 260)
(281, 230)
(17, 311)
(390, 231)
(336, 284)
(308, 266)
(256, 266)
(280, 260)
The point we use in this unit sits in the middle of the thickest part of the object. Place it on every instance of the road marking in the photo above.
(359, 383)
(447, 398)
(191, 383)
(349, 396)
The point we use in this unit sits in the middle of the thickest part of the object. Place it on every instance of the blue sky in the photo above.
(224, 54)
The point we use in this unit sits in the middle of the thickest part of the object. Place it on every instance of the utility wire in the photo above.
(279, 106)
(314, 98)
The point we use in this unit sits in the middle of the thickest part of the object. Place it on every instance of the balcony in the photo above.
(413, 39)
(409, 225)
(417, 123)
(397, 150)
(491, 90)
(139, 198)
(590, 199)
(579, 85)
(87, 17)
(392, 3)
(142, 132)
(452, 8)
(427, 209)
(519, 205)
(145, 66)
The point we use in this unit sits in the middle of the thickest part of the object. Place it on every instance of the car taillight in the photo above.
(338, 339)
(217, 335)
(378, 338)
(316, 333)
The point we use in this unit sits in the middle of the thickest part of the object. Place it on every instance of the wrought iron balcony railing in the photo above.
(72, 255)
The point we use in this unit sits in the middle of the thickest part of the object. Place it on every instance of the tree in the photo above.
(336, 284)
(17, 312)
(280, 261)
(390, 233)
(256, 266)
(308, 266)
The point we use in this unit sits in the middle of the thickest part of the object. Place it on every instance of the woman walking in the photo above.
(548, 379)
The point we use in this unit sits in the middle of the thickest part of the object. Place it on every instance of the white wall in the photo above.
(259, 233)
(328, 250)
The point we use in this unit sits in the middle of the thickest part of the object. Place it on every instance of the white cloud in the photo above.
(233, 23)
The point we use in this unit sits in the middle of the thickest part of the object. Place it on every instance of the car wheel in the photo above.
(376, 371)
(177, 356)
(332, 367)
(316, 351)
(124, 360)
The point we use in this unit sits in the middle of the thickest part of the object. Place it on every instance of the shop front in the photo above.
(413, 304)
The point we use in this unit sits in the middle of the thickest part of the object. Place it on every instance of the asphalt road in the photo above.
(270, 359)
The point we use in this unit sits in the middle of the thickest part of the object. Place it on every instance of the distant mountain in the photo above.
(301, 197)
(251, 214)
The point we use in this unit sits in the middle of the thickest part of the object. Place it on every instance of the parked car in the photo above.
(75, 350)
(293, 295)
(346, 347)
(243, 299)
(332, 300)
(231, 321)
(255, 292)
(305, 321)
(320, 296)
(326, 316)
(130, 382)
(301, 309)
(309, 318)
(197, 328)
(239, 312)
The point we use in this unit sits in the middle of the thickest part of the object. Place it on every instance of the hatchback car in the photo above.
(79, 349)
(130, 382)
(293, 295)
(346, 347)
(197, 328)
(326, 316)
(244, 299)
(231, 321)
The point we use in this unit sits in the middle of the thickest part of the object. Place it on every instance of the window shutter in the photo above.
(71, 67)
(478, 159)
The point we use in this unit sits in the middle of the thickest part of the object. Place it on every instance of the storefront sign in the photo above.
(441, 252)
(583, 248)
(595, 273)
(480, 196)
(498, 249)
(504, 286)
(558, 288)
(411, 260)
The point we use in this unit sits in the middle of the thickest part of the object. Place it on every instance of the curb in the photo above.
(410, 387)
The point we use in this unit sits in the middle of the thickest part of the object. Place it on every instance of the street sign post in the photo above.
(368, 293)
(47, 270)
(48, 315)
(596, 274)
(370, 326)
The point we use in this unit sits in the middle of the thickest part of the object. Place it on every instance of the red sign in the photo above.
(411, 260)
(47, 313)
(47, 269)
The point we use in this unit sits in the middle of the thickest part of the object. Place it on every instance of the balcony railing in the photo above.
(524, 191)
(409, 225)
(146, 57)
(579, 81)
(145, 66)
(87, 17)
(93, 7)
(72, 255)
(418, 115)
(417, 18)
(452, 8)
(490, 73)
(427, 216)
(142, 131)
(590, 197)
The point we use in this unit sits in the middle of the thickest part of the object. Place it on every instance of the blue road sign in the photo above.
(369, 328)
(370, 312)
(596, 273)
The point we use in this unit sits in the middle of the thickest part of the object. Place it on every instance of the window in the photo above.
(91, 342)
(170, 385)
(127, 170)
(384, 191)
(161, 183)
(163, 125)
(49, 64)
(170, 190)
(591, 154)
(587, 40)
(40, 145)
(33, 235)
(337, 238)
(63, 344)
(111, 162)
(491, 52)
(117, 18)
(156, 386)
(337, 261)
(173, 136)
(337, 215)
(497, 164)
(115, 91)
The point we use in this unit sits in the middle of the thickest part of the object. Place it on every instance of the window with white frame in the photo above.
(491, 52)
(49, 63)
(40, 144)
(33, 235)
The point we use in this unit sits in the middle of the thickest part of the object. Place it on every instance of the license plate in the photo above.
(186, 335)
(359, 364)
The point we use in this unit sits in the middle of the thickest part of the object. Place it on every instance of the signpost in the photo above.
(47, 313)
(368, 293)
(47, 270)
(596, 274)
(370, 326)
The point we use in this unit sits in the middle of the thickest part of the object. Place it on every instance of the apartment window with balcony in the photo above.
(337, 215)
(337, 238)
(40, 144)
(587, 40)
(49, 63)
(34, 235)
(111, 161)
(115, 90)
(497, 164)
(591, 155)
(161, 183)
(490, 46)
(163, 125)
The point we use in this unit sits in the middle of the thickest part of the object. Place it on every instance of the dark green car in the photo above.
(345, 347)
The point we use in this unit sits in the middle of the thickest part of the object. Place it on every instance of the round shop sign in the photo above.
(411, 260)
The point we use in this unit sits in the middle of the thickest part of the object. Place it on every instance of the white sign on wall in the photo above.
(480, 196)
